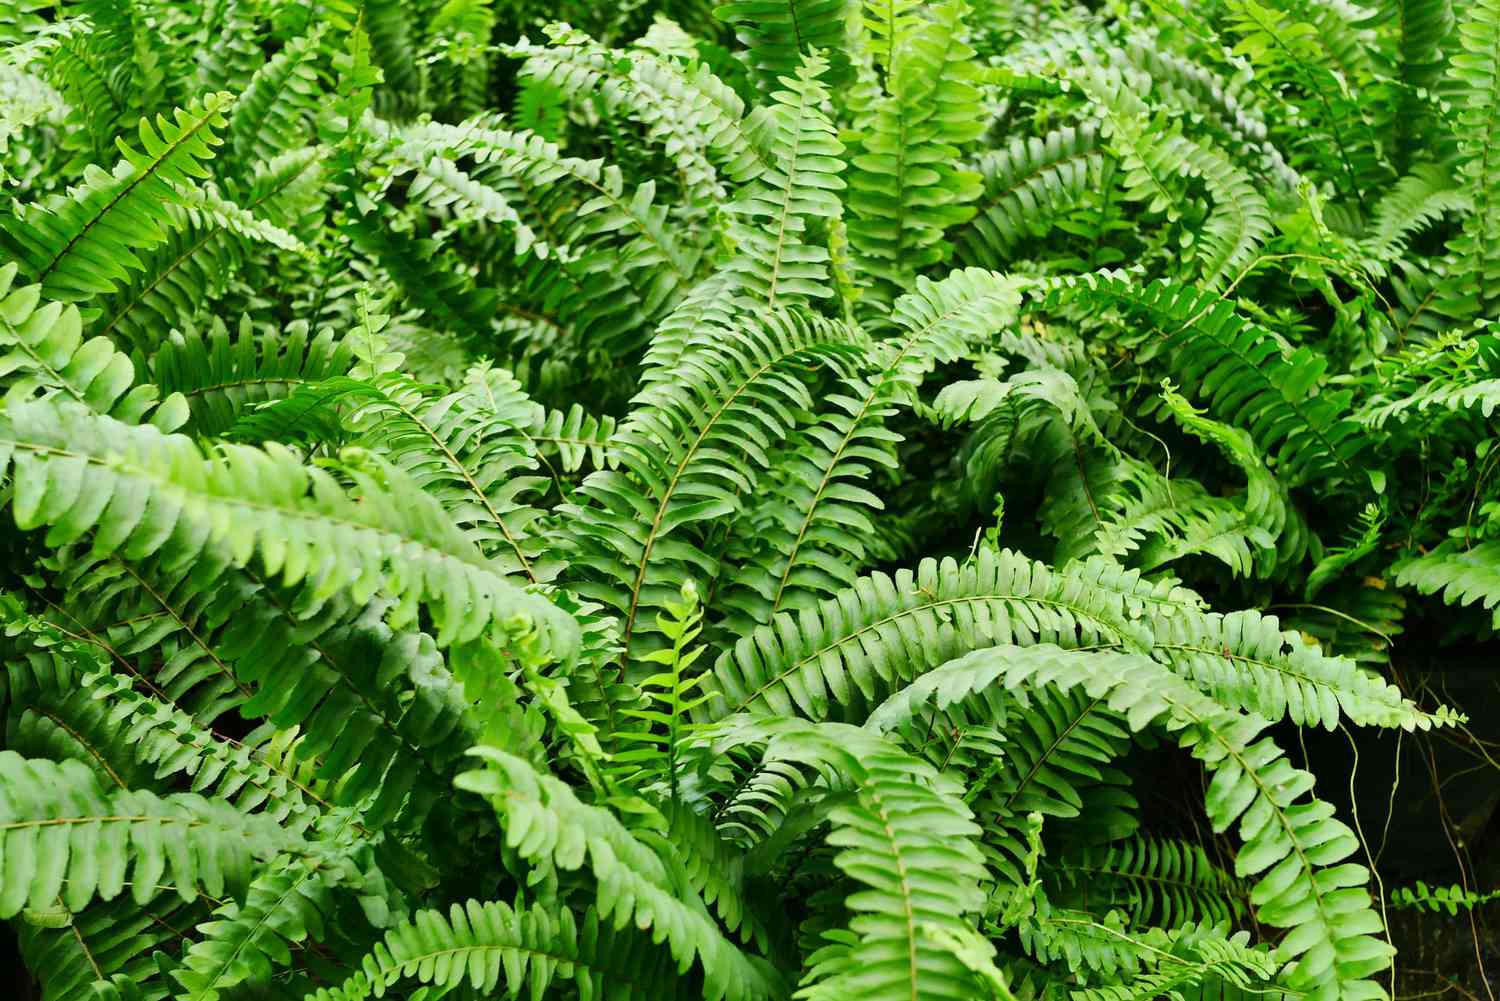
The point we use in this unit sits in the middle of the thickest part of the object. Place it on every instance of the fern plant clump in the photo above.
(740, 501)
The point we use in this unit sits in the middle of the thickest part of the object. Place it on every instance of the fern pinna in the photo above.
(745, 502)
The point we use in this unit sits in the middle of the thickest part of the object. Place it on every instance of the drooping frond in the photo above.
(67, 839)
(491, 946)
(1464, 575)
(1290, 842)
(146, 491)
(549, 826)
(855, 648)
(1156, 157)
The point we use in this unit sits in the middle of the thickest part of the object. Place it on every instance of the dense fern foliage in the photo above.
(665, 500)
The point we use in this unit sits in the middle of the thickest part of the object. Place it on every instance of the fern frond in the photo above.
(116, 938)
(572, 437)
(221, 377)
(285, 904)
(1156, 157)
(203, 250)
(810, 530)
(1026, 184)
(44, 351)
(470, 450)
(905, 837)
(904, 190)
(85, 241)
(272, 116)
(1238, 368)
(1475, 73)
(381, 718)
(133, 739)
(1466, 575)
(491, 946)
(1292, 844)
(690, 451)
(773, 217)
(1415, 202)
(549, 826)
(855, 648)
(1153, 880)
(146, 491)
(694, 115)
(780, 34)
(65, 838)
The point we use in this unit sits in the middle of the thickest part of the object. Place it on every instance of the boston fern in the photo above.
(728, 502)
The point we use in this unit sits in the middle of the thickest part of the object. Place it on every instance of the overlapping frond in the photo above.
(550, 827)
(1239, 370)
(146, 493)
(1291, 845)
(691, 451)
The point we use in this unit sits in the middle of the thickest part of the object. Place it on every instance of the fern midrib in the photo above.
(88, 953)
(890, 375)
(141, 176)
(292, 66)
(786, 197)
(1333, 121)
(209, 233)
(167, 272)
(904, 881)
(1057, 742)
(183, 624)
(88, 745)
(106, 819)
(333, 663)
(227, 960)
(54, 377)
